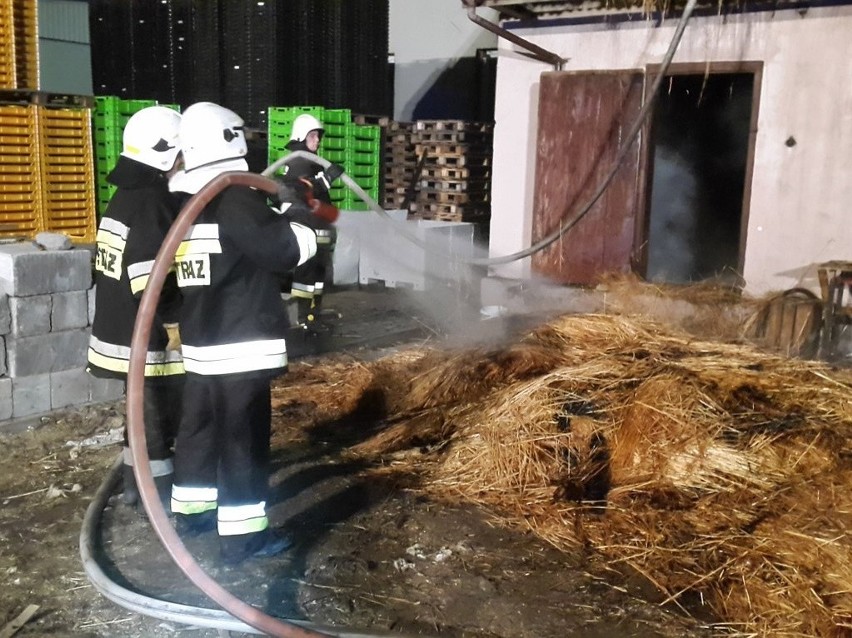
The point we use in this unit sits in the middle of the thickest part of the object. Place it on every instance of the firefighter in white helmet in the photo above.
(306, 285)
(129, 235)
(233, 325)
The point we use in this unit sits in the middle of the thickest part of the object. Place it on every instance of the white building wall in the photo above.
(801, 196)
(426, 37)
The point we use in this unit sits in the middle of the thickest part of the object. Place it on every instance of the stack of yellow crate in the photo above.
(65, 157)
(46, 174)
(46, 168)
(20, 183)
(25, 17)
(7, 46)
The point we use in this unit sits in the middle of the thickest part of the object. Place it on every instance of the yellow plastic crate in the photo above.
(65, 153)
(20, 183)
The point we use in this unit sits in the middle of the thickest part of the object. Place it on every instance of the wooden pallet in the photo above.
(452, 173)
(457, 160)
(398, 157)
(451, 148)
(455, 186)
(44, 98)
(400, 126)
(375, 120)
(400, 137)
(450, 212)
(453, 125)
(471, 137)
(400, 174)
(437, 197)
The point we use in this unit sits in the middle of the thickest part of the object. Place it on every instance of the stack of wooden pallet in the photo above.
(400, 161)
(436, 169)
(455, 175)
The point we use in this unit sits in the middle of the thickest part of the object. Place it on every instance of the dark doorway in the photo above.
(701, 154)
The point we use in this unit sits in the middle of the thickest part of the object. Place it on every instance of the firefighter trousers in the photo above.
(161, 408)
(223, 442)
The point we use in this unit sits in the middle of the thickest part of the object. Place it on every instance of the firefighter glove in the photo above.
(293, 192)
(333, 172)
(327, 212)
(173, 332)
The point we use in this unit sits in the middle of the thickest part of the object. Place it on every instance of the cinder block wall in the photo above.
(46, 311)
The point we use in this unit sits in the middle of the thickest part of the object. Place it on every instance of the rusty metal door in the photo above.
(582, 119)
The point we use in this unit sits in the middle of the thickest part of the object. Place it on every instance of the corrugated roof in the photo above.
(548, 9)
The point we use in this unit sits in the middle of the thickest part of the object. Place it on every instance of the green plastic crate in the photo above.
(334, 144)
(369, 146)
(334, 130)
(361, 170)
(290, 113)
(360, 157)
(338, 157)
(129, 107)
(365, 132)
(367, 183)
(337, 116)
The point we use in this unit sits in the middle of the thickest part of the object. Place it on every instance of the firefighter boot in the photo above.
(192, 525)
(164, 490)
(131, 490)
(265, 544)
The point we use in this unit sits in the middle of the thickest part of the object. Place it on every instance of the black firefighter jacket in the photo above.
(130, 233)
(229, 268)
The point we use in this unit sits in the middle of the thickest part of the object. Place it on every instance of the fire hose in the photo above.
(136, 430)
(573, 220)
(237, 608)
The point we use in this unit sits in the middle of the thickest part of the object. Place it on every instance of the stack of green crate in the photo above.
(109, 118)
(353, 146)
(106, 138)
(362, 163)
(333, 148)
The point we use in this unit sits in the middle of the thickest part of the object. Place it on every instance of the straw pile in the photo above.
(714, 470)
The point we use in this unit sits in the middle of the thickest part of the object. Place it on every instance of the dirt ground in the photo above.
(370, 554)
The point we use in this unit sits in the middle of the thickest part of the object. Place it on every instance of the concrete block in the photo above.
(91, 300)
(5, 315)
(69, 310)
(70, 387)
(417, 254)
(26, 270)
(5, 398)
(42, 354)
(106, 389)
(30, 315)
(53, 241)
(3, 356)
(30, 395)
(348, 247)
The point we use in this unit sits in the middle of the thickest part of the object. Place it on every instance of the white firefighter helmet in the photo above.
(303, 125)
(151, 137)
(210, 133)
